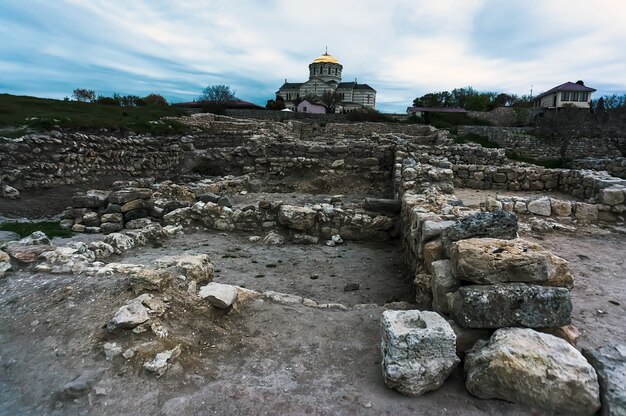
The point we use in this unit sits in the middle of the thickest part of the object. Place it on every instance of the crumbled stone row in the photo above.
(611, 209)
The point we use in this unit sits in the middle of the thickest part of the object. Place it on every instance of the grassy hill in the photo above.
(21, 114)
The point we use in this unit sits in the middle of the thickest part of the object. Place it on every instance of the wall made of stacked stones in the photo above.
(614, 166)
(36, 161)
(521, 141)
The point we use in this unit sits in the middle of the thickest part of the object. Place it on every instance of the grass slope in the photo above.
(21, 113)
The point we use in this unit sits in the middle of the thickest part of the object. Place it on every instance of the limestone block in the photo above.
(111, 227)
(609, 361)
(613, 195)
(433, 229)
(443, 282)
(520, 207)
(497, 224)
(219, 295)
(101, 249)
(112, 217)
(524, 366)
(299, 218)
(138, 223)
(91, 219)
(418, 349)
(586, 213)
(510, 304)
(433, 251)
(136, 214)
(423, 290)
(91, 199)
(120, 242)
(490, 260)
(560, 208)
(126, 195)
(150, 279)
(136, 204)
(540, 206)
(179, 216)
(196, 267)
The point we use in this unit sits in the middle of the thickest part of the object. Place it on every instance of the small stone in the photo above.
(111, 350)
(129, 353)
(351, 287)
(163, 361)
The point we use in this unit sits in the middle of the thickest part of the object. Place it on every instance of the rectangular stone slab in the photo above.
(510, 304)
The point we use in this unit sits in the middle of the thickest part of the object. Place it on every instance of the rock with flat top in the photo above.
(298, 218)
(163, 361)
(510, 304)
(418, 349)
(491, 260)
(496, 224)
(219, 295)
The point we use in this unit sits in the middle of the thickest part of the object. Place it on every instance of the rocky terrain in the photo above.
(301, 269)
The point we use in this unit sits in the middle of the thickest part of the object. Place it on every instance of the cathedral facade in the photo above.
(325, 76)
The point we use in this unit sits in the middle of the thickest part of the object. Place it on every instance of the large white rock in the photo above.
(299, 218)
(418, 349)
(540, 206)
(5, 263)
(219, 295)
(523, 366)
(491, 260)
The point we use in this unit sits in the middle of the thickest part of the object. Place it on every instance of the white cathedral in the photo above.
(325, 75)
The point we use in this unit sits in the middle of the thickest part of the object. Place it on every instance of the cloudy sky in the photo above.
(402, 48)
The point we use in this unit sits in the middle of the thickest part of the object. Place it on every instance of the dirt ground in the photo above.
(263, 357)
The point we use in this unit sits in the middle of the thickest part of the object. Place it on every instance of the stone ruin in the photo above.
(482, 294)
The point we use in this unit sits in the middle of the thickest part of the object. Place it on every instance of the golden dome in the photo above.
(326, 58)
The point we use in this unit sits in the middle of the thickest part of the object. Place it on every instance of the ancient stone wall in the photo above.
(274, 115)
(521, 141)
(36, 161)
(614, 166)
(504, 116)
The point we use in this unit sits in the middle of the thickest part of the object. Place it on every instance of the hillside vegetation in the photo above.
(22, 114)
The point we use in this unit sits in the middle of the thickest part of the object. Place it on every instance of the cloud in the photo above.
(402, 48)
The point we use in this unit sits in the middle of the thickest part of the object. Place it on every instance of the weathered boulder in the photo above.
(9, 192)
(136, 204)
(219, 295)
(163, 361)
(560, 208)
(418, 349)
(111, 227)
(609, 361)
(540, 206)
(539, 370)
(510, 304)
(6, 236)
(195, 267)
(101, 249)
(443, 282)
(612, 195)
(150, 279)
(120, 242)
(586, 213)
(28, 249)
(112, 217)
(133, 313)
(138, 223)
(496, 224)
(299, 218)
(490, 260)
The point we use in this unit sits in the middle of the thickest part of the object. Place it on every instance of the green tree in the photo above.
(331, 100)
(84, 95)
(154, 99)
(218, 92)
